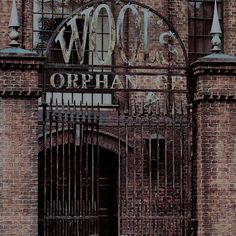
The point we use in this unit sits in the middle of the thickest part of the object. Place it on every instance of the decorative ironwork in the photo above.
(148, 160)
(121, 69)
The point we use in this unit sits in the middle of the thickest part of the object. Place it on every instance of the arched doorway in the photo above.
(78, 196)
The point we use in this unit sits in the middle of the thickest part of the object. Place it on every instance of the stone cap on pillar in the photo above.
(214, 78)
(13, 55)
(19, 67)
(215, 64)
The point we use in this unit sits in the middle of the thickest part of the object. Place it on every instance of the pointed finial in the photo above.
(216, 31)
(14, 26)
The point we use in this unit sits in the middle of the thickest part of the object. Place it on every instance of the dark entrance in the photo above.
(70, 191)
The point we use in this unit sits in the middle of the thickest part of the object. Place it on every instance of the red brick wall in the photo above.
(229, 27)
(18, 147)
(5, 12)
(19, 166)
(216, 168)
(215, 151)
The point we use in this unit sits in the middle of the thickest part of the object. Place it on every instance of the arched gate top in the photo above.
(136, 33)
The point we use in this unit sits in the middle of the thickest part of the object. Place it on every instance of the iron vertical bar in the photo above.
(63, 158)
(69, 159)
(181, 161)
(86, 165)
(173, 195)
(173, 146)
(166, 170)
(157, 146)
(57, 155)
(142, 177)
(126, 164)
(51, 161)
(119, 173)
(75, 160)
(80, 167)
(190, 176)
(45, 165)
(92, 170)
(57, 161)
(134, 171)
(150, 168)
(97, 172)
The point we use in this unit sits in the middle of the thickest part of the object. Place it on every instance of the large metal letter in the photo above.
(61, 80)
(120, 33)
(165, 43)
(146, 16)
(99, 82)
(112, 33)
(74, 39)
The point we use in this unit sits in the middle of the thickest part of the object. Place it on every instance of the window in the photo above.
(200, 21)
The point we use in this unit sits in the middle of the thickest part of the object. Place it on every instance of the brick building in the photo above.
(117, 117)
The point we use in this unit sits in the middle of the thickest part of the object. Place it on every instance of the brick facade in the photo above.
(215, 150)
(229, 27)
(18, 145)
(214, 106)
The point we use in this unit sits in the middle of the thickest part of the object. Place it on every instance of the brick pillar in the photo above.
(215, 144)
(229, 26)
(19, 94)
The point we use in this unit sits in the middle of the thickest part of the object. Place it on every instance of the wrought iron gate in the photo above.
(115, 125)
(148, 191)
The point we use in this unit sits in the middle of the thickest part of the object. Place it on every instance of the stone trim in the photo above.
(24, 62)
(220, 70)
(203, 96)
(22, 93)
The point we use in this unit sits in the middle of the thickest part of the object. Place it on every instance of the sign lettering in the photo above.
(116, 36)
(103, 81)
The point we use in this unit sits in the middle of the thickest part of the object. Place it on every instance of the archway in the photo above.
(78, 196)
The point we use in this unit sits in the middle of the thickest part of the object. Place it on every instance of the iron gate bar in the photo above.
(134, 164)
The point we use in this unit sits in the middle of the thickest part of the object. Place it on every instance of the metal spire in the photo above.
(216, 31)
(14, 26)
